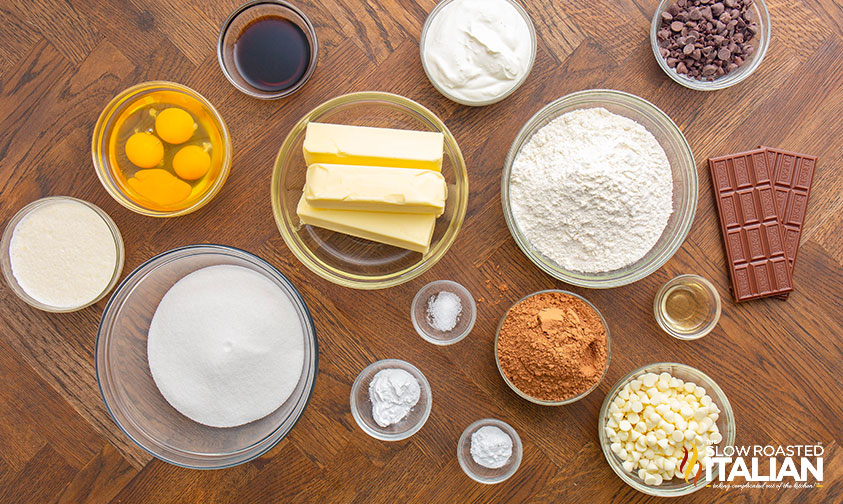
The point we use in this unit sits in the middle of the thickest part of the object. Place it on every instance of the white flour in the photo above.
(592, 191)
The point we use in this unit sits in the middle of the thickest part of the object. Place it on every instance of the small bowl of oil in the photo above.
(161, 149)
(687, 307)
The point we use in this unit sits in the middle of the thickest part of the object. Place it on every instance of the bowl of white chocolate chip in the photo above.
(660, 426)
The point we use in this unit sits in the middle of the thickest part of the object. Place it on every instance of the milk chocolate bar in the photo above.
(752, 234)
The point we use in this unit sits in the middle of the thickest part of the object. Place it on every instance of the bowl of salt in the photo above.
(443, 312)
(206, 356)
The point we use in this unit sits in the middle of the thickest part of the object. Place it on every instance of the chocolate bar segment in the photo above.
(746, 203)
(793, 174)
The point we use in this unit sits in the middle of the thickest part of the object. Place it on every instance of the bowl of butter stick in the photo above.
(369, 190)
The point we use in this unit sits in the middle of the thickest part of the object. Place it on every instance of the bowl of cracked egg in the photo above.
(161, 149)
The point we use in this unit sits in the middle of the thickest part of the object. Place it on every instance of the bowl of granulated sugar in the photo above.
(206, 356)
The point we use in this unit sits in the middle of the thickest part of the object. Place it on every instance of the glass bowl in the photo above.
(233, 27)
(725, 424)
(483, 474)
(712, 316)
(104, 143)
(6, 262)
(444, 91)
(343, 259)
(685, 184)
(762, 16)
(465, 322)
(133, 399)
(361, 405)
(570, 400)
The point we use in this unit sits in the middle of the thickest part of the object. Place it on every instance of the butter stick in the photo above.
(361, 145)
(408, 231)
(375, 189)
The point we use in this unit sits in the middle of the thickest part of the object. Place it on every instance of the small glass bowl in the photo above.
(346, 260)
(465, 322)
(725, 424)
(685, 184)
(361, 405)
(233, 27)
(570, 400)
(104, 131)
(423, 40)
(6, 262)
(134, 401)
(762, 16)
(483, 474)
(699, 331)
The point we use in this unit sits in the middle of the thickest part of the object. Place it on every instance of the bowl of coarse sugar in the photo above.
(553, 347)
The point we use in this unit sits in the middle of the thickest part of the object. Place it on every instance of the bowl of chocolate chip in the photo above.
(553, 347)
(710, 44)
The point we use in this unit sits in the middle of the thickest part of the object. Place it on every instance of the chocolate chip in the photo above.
(688, 49)
(697, 54)
(695, 14)
(676, 26)
(671, 62)
(731, 3)
(709, 70)
(717, 9)
(706, 13)
(681, 68)
(724, 53)
(667, 16)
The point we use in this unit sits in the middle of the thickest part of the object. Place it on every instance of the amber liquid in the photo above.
(137, 118)
(272, 54)
(688, 307)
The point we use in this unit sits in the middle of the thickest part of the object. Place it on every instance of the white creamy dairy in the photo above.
(478, 50)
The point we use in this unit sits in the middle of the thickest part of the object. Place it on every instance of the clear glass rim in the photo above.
(119, 250)
(457, 338)
(713, 390)
(702, 331)
(727, 80)
(100, 138)
(254, 93)
(211, 460)
(425, 391)
(480, 103)
(570, 400)
(517, 450)
(284, 219)
(609, 279)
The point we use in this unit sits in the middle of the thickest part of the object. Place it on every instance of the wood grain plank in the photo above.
(100, 480)
(40, 480)
(72, 34)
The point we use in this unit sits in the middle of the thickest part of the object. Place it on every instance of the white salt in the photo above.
(225, 346)
(491, 447)
(443, 310)
(63, 254)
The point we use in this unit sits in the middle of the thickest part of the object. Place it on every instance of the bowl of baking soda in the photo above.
(489, 451)
(206, 356)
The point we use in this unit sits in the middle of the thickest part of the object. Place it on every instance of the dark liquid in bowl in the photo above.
(272, 54)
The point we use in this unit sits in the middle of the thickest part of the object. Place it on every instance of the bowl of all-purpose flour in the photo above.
(599, 188)
(206, 356)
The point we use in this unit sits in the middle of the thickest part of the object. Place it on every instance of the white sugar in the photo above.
(443, 310)
(225, 346)
(63, 254)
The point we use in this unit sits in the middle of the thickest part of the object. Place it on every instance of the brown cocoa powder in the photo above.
(552, 346)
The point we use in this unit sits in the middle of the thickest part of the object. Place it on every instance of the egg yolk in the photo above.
(160, 187)
(174, 125)
(191, 162)
(144, 150)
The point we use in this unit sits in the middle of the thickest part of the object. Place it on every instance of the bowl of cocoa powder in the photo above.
(710, 44)
(553, 347)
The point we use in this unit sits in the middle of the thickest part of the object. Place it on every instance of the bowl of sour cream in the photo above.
(477, 52)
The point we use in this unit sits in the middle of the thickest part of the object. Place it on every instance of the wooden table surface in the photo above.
(780, 363)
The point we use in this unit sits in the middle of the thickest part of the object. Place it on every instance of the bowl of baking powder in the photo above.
(599, 188)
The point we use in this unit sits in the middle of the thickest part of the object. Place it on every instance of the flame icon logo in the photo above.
(695, 455)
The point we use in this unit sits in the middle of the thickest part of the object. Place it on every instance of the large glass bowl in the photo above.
(133, 399)
(685, 184)
(104, 141)
(762, 43)
(725, 424)
(347, 260)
